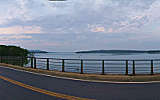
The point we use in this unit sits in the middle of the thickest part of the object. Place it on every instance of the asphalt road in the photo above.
(90, 90)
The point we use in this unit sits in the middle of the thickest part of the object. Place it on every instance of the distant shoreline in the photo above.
(106, 51)
(37, 51)
(121, 51)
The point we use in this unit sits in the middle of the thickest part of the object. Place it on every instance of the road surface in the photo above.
(18, 85)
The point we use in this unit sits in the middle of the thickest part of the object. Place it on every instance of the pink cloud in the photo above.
(20, 30)
(110, 30)
(98, 29)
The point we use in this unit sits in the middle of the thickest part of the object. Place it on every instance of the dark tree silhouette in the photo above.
(13, 55)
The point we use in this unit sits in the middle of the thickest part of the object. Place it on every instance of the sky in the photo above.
(75, 25)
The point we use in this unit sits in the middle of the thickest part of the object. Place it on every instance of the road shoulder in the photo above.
(90, 77)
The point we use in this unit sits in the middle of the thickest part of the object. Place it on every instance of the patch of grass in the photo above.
(120, 78)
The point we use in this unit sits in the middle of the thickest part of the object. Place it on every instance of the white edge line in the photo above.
(81, 79)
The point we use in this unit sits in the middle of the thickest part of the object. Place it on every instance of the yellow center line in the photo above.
(58, 95)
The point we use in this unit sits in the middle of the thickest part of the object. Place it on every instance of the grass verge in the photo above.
(93, 77)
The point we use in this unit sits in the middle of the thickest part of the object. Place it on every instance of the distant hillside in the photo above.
(120, 51)
(6, 50)
(37, 51)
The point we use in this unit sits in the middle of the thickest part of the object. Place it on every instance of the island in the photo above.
(37, 51)
(121, 51)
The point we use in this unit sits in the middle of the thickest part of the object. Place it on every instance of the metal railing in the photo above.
(96, 66)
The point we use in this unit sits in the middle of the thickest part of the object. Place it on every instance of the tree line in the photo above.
(13, 55)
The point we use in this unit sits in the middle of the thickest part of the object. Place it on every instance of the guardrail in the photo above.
(96, 66)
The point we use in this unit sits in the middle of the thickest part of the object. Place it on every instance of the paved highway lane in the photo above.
(91, 90)
(10, 91)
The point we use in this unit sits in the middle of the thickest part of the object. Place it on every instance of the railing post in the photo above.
(133, 68)
(31, 62)
(47, 63)
(22, 61)
(152, 67)
(81, 66)
(62, 65)
(35, 63)
(126, 67)
(1, 59)
(102, 67)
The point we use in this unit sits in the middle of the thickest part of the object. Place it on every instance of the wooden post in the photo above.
(47, 63)
(35, 63)
(63, 65)
(103, 67)
(126, 67)
(31, 62)
(152, 67)
(1, 59)
(22, 61)
(133, 67)
(81, 66)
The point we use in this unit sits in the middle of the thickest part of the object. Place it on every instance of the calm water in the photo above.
(113, 67)
(70, 55)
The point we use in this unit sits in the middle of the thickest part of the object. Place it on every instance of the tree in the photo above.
(13, 55)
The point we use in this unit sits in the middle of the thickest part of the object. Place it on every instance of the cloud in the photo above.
(98, 29)
(23, 10)
(14, 37)
(110, 30)
(76, 22)
(20, 30)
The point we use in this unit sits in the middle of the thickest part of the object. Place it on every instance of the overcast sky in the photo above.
(76, 25)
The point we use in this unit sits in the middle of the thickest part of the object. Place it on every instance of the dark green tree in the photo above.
(13, 55)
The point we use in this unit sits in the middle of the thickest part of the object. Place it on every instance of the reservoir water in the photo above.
(110, 67)
(72, 55)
